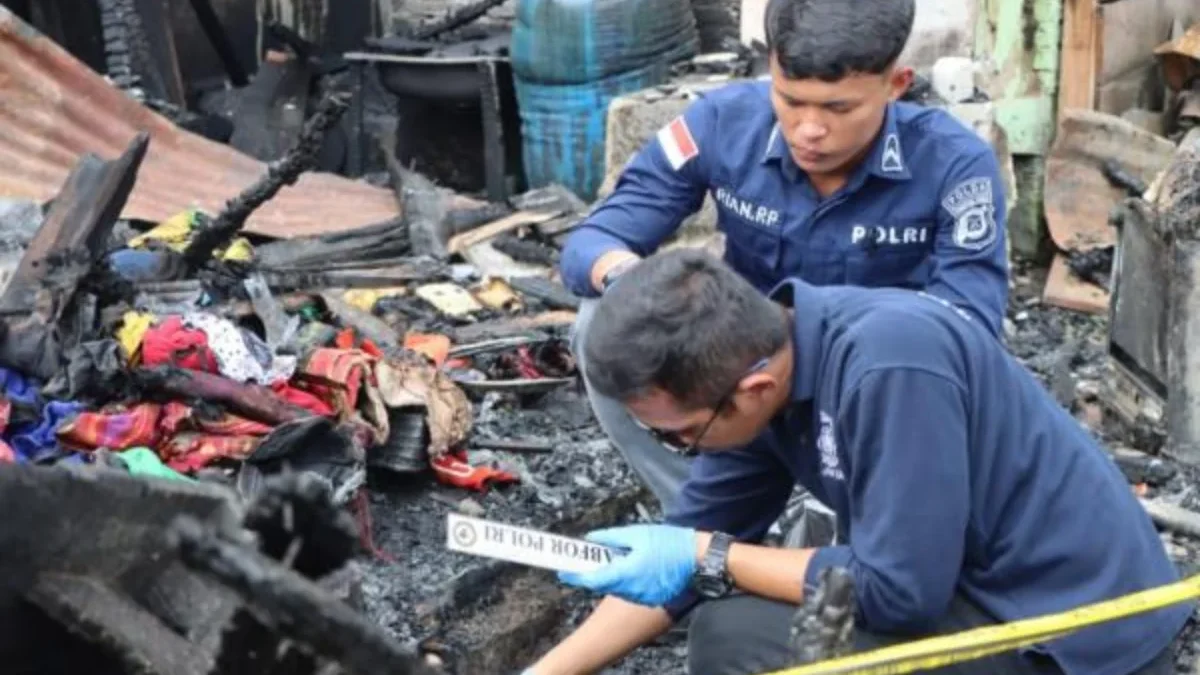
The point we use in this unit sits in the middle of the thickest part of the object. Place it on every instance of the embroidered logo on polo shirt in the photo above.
(891, 161)
(677, 143)
(971, 205)
(831, 466)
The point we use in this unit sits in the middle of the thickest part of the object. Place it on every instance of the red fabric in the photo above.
(453, 469)
(189, 452)
(114, 427)
(348, 339)
(527, 365)
(170, 343)
(302, 398)
(183, 440)
(178, 417)
(336, 375)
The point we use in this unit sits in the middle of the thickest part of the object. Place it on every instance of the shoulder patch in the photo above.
(971, 205)
(677, 143)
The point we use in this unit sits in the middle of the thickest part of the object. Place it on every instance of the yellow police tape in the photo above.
(980, 642)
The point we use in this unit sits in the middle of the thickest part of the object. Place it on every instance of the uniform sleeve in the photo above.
(970, 253)
(740, 493)
(909, 494)
(663, 184)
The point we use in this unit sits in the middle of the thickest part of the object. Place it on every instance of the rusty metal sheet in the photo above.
(53, 109)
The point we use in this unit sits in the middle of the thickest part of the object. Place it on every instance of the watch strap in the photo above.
(717, 554)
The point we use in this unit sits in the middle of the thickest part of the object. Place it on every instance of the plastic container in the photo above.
(582, 41)
(570, 58)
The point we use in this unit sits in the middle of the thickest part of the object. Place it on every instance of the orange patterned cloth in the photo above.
(185, 440)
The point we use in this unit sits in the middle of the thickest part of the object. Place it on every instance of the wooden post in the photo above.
(1082, 49)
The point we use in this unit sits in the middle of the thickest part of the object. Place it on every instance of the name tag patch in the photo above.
(755, 213)
(889, 236)
(524, 546)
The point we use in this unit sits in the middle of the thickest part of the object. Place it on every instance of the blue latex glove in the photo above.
(659, 565)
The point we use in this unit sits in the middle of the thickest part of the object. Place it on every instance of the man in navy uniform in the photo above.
(965, 495)
(818, 173)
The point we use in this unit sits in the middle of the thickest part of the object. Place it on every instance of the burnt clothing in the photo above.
(924, 210)
(951, 470)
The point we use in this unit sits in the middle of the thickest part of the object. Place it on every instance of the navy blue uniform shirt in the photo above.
(925, 209)
(951, 470)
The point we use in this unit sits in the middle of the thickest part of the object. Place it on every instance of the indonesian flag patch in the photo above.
(677, 143)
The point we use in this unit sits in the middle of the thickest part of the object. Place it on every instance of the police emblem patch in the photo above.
(827, 448)
(971, 205)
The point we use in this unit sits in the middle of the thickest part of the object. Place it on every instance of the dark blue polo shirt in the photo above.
(951, 470)
(925, 209)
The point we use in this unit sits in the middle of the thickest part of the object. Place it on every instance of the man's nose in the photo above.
(808, 131)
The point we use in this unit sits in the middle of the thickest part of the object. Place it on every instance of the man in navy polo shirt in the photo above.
(965, 494)
(818, 174)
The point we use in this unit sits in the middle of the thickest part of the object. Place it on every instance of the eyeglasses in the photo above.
(671, 440)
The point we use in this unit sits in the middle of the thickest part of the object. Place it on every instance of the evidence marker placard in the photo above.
(524, 546)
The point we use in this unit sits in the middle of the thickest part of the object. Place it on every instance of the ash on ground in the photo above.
(408, 517)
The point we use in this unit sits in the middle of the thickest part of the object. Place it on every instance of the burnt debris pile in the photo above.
(276, 296)
(240, 392)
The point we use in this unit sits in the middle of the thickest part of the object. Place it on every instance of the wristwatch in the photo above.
(712, 578)
(615, 271)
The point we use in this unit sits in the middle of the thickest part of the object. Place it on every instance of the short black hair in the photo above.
(684, 322)
(831, 39)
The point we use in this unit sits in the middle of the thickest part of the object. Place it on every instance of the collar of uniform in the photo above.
(807, 329)
(776, 147)
(887, 158)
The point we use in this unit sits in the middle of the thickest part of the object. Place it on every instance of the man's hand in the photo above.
(613, 261)
(658, 567)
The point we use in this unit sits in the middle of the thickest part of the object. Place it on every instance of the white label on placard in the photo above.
(524, 546)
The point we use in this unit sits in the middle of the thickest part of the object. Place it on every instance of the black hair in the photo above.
(684, 322)
(831, 39)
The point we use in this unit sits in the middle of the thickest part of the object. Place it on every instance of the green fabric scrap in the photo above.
(144, 462)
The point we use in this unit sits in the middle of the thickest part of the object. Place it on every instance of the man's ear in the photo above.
(899, 81)
(757, 384)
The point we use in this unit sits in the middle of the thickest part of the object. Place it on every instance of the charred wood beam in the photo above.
(42, 308)
(76, 230)
(219, 38)
(292, 605)
(456, 19)
(300, 158)
(254, 401)
(117, 625)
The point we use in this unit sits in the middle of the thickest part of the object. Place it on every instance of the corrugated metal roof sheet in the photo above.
(54, 109)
